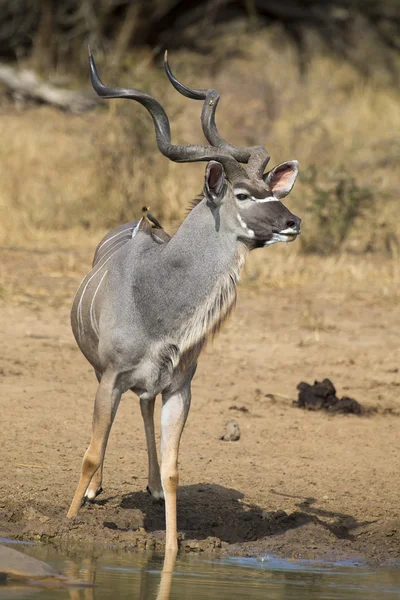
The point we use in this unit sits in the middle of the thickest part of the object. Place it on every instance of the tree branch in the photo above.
(27, 84)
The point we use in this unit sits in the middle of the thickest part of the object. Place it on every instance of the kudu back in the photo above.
(143, 314)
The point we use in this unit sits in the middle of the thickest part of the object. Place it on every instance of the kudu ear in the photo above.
(281, 178)
(215, 182)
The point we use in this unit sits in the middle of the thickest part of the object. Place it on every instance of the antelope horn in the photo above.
(257, 157)
(189, 153)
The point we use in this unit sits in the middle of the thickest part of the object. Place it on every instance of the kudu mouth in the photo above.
(284, 235)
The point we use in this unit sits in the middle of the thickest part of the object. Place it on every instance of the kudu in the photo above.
(143, 314)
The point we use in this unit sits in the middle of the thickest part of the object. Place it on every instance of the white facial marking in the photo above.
(268, 199)
(249, 231)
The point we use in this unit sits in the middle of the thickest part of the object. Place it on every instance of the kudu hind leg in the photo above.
(105, 408)
(95, 485)
(154, 486)
(173, 418)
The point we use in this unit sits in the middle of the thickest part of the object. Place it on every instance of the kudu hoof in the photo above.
(157, 496)
(91, 499)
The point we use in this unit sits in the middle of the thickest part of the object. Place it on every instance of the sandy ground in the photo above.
(297, 483)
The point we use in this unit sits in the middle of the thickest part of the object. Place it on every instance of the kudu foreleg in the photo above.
(154, 486)
(105, 408)
(174, 413)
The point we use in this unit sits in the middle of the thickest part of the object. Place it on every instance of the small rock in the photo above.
(44, 519)
(232, 432)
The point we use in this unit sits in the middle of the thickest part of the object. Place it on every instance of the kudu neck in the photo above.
(207, 240)
(204, 259)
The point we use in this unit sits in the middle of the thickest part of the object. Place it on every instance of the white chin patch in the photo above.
(271, 241)
(286, 235)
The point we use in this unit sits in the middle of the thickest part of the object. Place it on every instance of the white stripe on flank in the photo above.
(79, 309)
(114, 236)
(157, 238)
(121, 242)
(93, 319)
(116, 244)
(114, 248)
(135, 229)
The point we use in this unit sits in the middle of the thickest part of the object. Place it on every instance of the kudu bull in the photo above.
(143, 314)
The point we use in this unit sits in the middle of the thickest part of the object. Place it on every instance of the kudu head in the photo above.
(250, 195)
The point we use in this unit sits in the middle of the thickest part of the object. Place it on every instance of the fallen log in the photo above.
(16, 565)
(26, 84)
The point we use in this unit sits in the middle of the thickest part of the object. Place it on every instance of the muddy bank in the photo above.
(213, 520)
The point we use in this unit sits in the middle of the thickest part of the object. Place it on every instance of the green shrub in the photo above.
(334, 200)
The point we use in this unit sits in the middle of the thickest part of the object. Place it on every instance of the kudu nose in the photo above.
(293, 222)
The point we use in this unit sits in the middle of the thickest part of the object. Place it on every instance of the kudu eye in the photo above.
(242, 196)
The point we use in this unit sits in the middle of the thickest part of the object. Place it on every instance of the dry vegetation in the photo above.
(66, 178)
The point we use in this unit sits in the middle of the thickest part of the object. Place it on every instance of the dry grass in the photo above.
(50, 272)
(62, 172)
(370, 277)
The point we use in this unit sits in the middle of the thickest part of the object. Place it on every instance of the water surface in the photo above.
(137, 576)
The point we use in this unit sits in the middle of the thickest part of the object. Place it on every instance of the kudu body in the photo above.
(143, 313)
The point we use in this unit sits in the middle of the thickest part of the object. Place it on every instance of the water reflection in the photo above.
(74, 571)
(166, 576)
(140, 576)
(82, 576)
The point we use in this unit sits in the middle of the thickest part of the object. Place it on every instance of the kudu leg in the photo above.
(105, 408)
(95, 485)
(173, 418)
(154, 487)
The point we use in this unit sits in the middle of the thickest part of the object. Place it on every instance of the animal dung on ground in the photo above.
(232, 432)
(322, 396)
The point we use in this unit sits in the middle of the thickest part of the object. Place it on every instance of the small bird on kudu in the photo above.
(150, 218)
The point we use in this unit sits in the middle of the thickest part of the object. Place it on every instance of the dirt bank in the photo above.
(298, 483)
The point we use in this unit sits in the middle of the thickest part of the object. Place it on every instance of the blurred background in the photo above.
(315, 80)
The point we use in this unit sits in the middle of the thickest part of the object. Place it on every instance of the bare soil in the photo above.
(297, 483)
